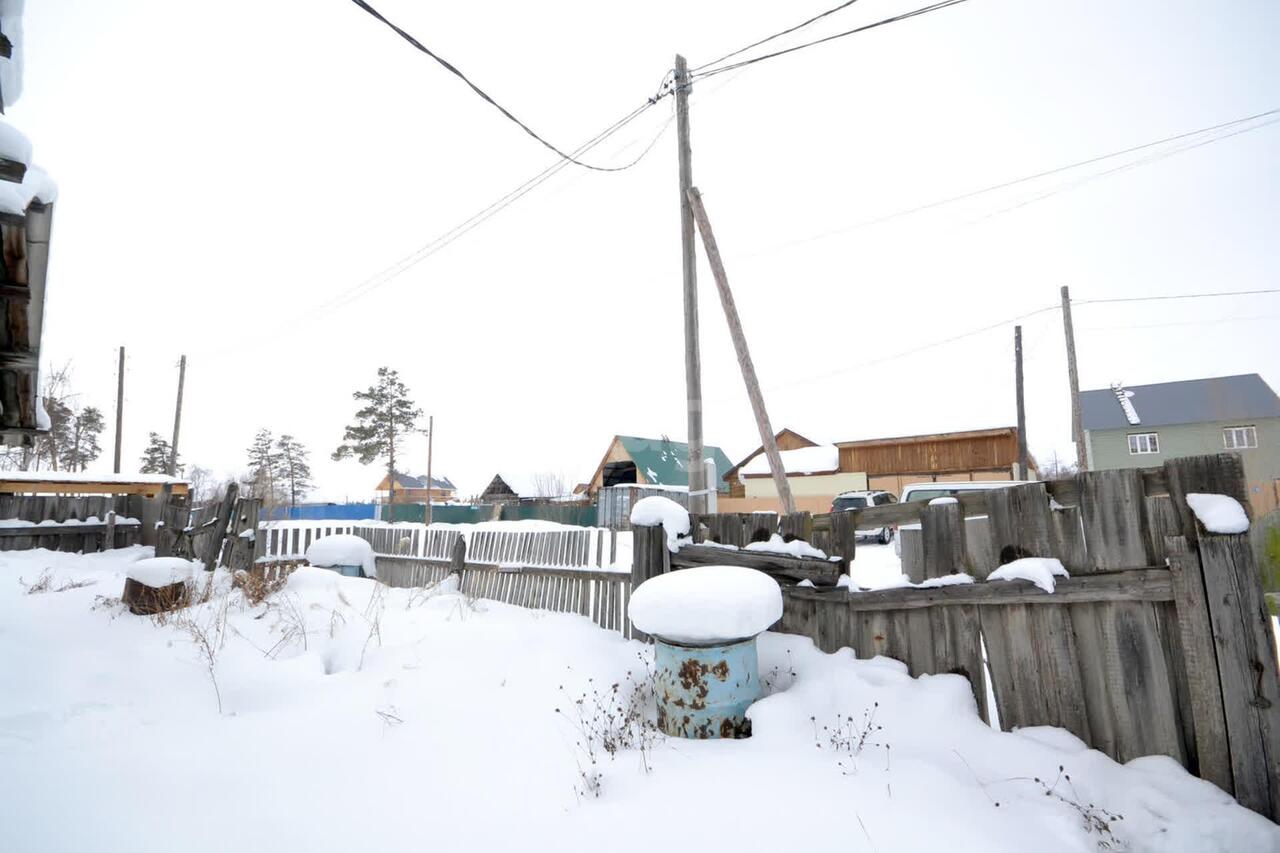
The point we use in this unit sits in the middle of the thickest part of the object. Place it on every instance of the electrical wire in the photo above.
(428, 249)
(1036, 176)
(924, 10)
(1144, 161)
(1075, 302)
(788, 31)
(662, 92)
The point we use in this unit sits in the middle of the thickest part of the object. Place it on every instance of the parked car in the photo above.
(862, 500)
(929, 491)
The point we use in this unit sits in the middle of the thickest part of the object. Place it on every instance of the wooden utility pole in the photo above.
(767, 437)
(1022, 409)
(431, 434)
(119, 408)
(177, 418)
(1077, 417)
(692, 360)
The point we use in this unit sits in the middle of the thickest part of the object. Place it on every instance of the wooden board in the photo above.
(1113, 514)
(1247, 673)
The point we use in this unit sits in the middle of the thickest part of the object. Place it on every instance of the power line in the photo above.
(1174, 296)
(892, 20)
(441, 241)
(1042, 174)
(788, 31)
(662, 92)
(1144, 161)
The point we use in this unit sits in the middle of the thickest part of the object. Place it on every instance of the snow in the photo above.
(943, 500)
(796, 547)
(1039, 570)
(11, 68)
(1218, 513)
(945, 580)
(342, 549)
(876, 566)
(1125, 399)
(706, 604)
(14, 144)
(162, 571)
(655, 510)
(444, 726)
(36, 186)
(86, 477)
(808, 583)
(822, 459)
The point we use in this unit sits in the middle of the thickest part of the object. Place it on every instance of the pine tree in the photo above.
(382, 423)
(155, 459)
(263, 468)
(50, 445)
(293, 468)
(82, 446)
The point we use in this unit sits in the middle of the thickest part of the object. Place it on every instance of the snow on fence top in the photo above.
(342, 549)
(11, 67)
(796, 547)
(1039, 570)
(707, 604)
(823, 459)
(655, 510)
(1218, 513)
(86, 477)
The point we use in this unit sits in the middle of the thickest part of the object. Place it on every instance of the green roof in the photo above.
(664, 462)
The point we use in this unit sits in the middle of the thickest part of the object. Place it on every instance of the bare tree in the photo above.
(549, 484)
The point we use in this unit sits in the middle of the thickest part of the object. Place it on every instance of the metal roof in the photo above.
(411, 482)
(1225, 398)
(662, 461)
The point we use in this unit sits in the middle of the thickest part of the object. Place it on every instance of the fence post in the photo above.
(942, 537)
(458, 559)
(109, 536)
(649, 558)
(843, 539)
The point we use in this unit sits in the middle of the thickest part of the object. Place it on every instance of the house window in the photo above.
(1144, 442)
(1240, 437)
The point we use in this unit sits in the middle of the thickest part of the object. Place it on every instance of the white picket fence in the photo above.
(567, 570)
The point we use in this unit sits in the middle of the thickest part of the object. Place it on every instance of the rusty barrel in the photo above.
(704, 691)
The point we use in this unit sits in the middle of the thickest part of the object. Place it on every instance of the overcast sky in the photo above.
(226, 171)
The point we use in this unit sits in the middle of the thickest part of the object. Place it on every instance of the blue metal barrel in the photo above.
(704, 691)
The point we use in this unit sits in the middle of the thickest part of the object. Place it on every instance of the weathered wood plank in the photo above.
(1140, 585)
(1200, 659)
(942, 540)
(1068, 539)
(1112, 510)
(1221, 474)
(1245, 646)
(1020, 525)
(796, 568)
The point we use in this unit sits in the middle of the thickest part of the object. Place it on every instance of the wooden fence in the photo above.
(601, 596)
(65, 523)
(1159, 643)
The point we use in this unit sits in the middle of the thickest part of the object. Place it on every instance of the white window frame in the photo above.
(1143, 443)
(1240, 437)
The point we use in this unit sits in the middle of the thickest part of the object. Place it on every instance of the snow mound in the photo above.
(1218, 513)
(943, 500)
(707, 604)
(796, 547)
(945, 580)
(342, 549)
(1039, 570)
(156, 572)
(655, 510)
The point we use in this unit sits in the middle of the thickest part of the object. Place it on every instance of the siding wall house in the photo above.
(1110, 449)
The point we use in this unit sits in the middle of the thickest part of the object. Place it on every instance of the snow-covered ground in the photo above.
(356, 717)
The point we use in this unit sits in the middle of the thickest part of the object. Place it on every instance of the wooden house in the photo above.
(817, 473)
(652, 461)
(26, 213)
(411, 489)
